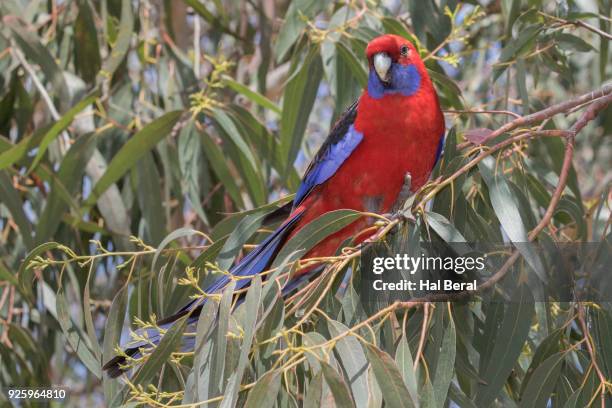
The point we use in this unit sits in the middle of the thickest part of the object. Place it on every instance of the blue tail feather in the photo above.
(254, 263)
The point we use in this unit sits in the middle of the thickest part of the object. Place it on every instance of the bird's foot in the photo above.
(401, 216)
(404, 193)
(401, 209)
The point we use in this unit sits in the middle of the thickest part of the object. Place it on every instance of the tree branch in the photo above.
(585, 118)
(546, 113)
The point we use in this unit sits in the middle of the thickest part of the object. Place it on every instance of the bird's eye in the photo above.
(404, 50)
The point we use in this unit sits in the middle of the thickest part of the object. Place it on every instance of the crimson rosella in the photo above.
(395, 128)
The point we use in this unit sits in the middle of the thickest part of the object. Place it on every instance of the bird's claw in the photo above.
(401, 216)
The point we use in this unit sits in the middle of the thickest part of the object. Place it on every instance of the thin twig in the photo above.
(591, 350)
(43, 92)
(196, 45)
(424, 326)
(548, 112)
(578, 23)
(41, 88)
(489, 111)
(486, 153)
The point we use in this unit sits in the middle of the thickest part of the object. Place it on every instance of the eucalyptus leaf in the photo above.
(389, 378)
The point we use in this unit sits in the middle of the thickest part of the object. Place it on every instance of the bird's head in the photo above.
(395, 66)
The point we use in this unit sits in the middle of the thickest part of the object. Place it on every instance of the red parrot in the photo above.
(395, 128)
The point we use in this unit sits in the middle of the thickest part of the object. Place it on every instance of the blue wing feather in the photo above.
(342, 141)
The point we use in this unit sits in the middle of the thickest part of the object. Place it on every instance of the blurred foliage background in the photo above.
(178, 122)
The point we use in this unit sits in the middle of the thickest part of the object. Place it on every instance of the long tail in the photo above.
(255, 262)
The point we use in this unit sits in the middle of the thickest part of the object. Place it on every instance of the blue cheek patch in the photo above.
(405, 80)
(376, 89)
(329, 163)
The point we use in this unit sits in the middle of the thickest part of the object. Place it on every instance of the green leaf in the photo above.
(375, 398)
(556, 150)
(201, 9)
(572, 42)
(216, 21)
(393, 26)
(427, 19)
(10, 197)
(23, 338)
(150, 199)
(506, 346)
(226, 123)
(252, 95)
(86, 47)
(506, 207)
(218, 162)
(122, 44)
(168, 344)
(339, 389)
(203, 352)
(512, 9)
(445, 365)
(243, 157)
(266, 143)
(34, 50)
(521, 85)
(132, 150)
(25, 274)
(353, 361)
(191, 166)
(174, 235)
(165, 284)
(298, 100)
(389, 378)
(251, 305)
(112, 336)
(548, 347)
(602, 336)
(543, 382)
(405, 363)
(351, 61)
(317, 354)
(455, 394)
(61, 125)
(317, 230)
(452, 90)
(7, 276)
(447, 231)
(88, 318)
(345, 87)
(220, 346)
(516, 47)
(75, 336)
(68, 179)
(569, 205)
(14, 153)
(314, 392)
(294, 24)
(243, 231)
(265, 391)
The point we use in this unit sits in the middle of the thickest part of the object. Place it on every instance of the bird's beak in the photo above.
(382, 63)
